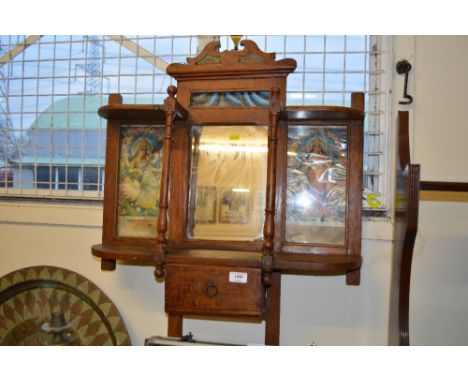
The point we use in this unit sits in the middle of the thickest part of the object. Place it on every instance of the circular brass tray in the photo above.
(28, 296)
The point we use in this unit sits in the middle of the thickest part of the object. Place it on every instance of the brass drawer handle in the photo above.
(211, 290)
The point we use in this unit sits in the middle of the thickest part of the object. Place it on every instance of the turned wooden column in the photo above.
(161, 240)
(270, 209)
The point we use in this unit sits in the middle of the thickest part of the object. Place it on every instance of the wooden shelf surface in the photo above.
(284, 262)
(129, 112)
(132, 253)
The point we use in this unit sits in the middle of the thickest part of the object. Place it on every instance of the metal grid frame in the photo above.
(58, 68)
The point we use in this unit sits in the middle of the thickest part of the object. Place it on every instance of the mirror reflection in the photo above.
(228, 182)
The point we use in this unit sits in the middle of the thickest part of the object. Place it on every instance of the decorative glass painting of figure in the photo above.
(139, 180)
(316, 184)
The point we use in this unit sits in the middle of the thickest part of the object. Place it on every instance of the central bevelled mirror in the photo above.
(227, 182)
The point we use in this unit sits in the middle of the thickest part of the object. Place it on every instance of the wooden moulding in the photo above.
(209, 257)
(284, 263)
(317, 264)
(443, 186)
(443, 191)
(321, 113)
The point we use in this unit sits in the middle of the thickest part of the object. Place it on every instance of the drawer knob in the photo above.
(211, 290)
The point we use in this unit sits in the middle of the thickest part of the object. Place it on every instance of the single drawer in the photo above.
(213, 290)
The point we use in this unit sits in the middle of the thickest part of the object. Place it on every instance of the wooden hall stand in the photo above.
(249, 188)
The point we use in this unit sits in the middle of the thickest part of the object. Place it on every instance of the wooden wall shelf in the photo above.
(284, 263)
(248, 188)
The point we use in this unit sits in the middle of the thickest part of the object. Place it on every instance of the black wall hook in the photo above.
(403, 67)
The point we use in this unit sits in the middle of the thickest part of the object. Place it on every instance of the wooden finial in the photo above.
(235, 39)
(172, 91)
(159, 272)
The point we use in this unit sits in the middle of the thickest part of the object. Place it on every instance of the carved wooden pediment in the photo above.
(212, 62)
(250, 53)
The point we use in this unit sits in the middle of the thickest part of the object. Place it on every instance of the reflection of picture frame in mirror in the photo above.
(233, 206)
(139, 180)
(205, 205)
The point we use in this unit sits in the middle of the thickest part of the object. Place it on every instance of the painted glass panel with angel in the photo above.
(316, 184)
(139, 180)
